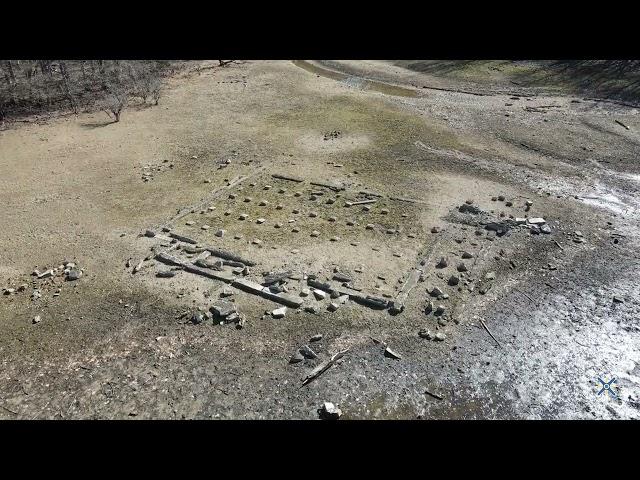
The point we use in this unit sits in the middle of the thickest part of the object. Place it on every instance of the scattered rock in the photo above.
(429, 308)
(454, 280)
(490, 275)
(329, 411)
(74, 274)
(435, 292)
(198, 318)
(319, 294)
(316, 338)
(312, 309)
(439, 310)
(296, 358)
(260, 220)
(279, 312)
(223, 308)
(545, 229)
(149, 233)
(439, 337)
(391, 354)
(467, 255)
(166, 273)
(501, 198)
(435, 230)
(442, 263)
(425, 334)
(617, 299)
(315, 233)
(461, 267)
(307, 352)
(220, 233)
(36, 319)
(46, 274)
(465, 208)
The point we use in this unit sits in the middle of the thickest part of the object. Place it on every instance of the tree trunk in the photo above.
(12, 76)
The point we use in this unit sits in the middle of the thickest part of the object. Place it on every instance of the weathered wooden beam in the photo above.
(226, 277)
(335, 188)
(287, 177)
(229, 256)
(257, 289)
(170, 259)
(182, 238)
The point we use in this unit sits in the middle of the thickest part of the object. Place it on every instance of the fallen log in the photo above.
(335, 188)
(316, 372)
(170, 260)
(620, 123)
(182, 238)
(361, 202)
(369, 194)
(287, 177)
(257, 289)
(312, 282)
(206, 272)
(229, 256)
(275, 278)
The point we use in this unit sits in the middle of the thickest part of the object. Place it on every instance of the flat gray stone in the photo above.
(319, 294)
(307, 352)
(223, 308)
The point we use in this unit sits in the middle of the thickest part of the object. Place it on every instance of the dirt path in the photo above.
(115, 344)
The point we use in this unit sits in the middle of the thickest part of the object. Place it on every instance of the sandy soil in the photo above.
(117, 344)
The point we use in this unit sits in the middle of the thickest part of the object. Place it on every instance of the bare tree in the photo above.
(67, 86)
(155, 91)
(116, 101)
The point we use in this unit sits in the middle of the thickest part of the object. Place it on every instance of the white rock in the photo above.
(330, 411)
(279, 312)
(319, 294)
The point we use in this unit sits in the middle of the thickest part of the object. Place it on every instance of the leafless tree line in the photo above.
(30, 87)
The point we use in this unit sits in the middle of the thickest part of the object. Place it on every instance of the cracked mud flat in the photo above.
(114, 344)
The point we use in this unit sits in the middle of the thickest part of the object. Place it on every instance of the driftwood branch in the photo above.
(323, 368)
